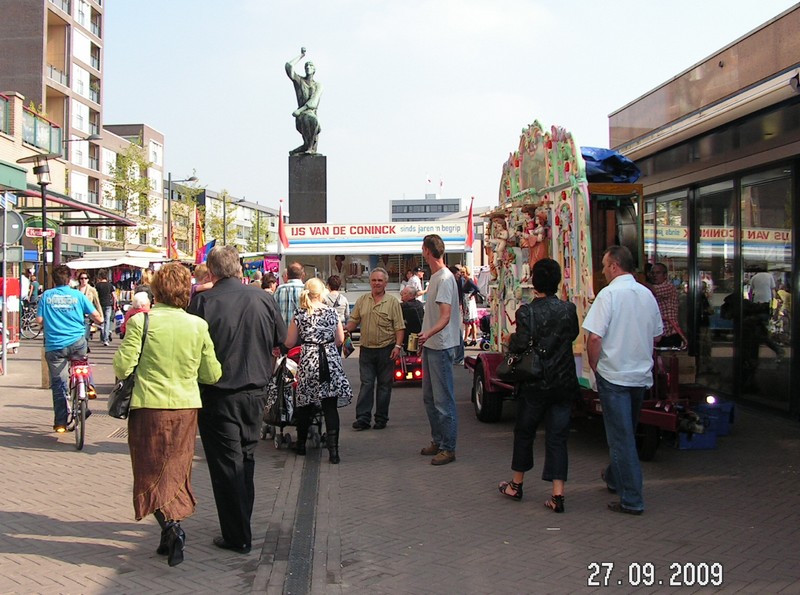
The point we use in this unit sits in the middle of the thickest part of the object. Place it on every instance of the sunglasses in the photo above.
(83, 278)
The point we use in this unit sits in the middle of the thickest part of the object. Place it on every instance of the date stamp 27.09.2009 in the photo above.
(645, 574)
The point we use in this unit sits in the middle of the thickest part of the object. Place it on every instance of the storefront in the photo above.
(719, 150)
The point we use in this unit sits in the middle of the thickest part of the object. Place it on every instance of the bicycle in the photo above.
(79, 392)
(28, 325)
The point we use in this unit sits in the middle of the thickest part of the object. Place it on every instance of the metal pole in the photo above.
(5, 287)
(43, 275)
(258, 231)
(169, 211)
(224, 221)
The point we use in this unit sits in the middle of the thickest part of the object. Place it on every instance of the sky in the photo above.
(412, 90)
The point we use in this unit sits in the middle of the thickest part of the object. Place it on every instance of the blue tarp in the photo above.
(605, 165)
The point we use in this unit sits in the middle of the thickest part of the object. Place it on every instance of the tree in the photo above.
(222, 215)
(129, 190)
(259, 233)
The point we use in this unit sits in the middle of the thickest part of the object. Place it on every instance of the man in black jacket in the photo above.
(245, 326)
(413, 311)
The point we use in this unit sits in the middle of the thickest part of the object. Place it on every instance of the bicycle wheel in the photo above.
(30, 328)
(79, 416)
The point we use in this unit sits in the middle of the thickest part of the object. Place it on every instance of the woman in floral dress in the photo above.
(321, 378)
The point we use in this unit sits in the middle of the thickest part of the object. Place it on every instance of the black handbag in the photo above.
(119, 401)
(523, 367)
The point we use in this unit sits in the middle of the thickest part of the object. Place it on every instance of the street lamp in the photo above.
(169, 204)
(225, 217)
(42, 172)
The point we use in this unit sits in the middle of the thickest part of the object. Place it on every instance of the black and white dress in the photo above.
(316, 331)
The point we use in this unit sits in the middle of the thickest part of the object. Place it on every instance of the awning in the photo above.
(112, 258)
(74, 213)
(12, 177)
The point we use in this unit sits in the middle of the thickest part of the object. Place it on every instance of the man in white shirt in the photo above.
(623, 323)
(415, 282)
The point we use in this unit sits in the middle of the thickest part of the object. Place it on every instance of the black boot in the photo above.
(176, 540)
(163, 547)
(302, 436)
(303, 417)
(332, 440)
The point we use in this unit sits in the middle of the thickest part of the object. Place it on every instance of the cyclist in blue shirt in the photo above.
(61, 311)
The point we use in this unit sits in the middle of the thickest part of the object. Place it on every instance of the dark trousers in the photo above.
(532, 408)
(230, 423)
(303, 416)
(376, 368)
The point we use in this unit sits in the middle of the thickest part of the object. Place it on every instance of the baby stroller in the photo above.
(485, 324)
(281, 400)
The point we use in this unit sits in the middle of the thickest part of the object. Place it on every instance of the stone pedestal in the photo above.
(308, 189)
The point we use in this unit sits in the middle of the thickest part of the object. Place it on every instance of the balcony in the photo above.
(95, 27)
(57, 75)
(40, 132)
(94, 95)
(94, 163)
(94, 198)
(94, 128)
(96, 62)
(62, 4)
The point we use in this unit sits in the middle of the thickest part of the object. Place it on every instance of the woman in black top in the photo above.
(553, 326)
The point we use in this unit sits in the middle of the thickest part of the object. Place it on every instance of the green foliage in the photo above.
(221, 218)
(260, 236)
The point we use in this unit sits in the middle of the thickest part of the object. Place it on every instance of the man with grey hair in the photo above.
(245, 326)
(381, 343)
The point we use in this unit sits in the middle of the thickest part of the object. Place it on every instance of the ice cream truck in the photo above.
(548, 208)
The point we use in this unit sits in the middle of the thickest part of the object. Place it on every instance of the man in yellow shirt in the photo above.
(381, 343)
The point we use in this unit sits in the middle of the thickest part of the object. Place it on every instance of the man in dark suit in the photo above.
(245, 326)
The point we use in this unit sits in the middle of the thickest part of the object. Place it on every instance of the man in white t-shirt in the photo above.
(763, 287)
(415, 282)
(622, 323)
(439, 339)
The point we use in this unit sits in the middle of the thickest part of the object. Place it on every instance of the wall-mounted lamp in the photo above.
(91, 137)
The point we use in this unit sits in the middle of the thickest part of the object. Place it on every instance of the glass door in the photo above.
(719, 292)
(766, 202)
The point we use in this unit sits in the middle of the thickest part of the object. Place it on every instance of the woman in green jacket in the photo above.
(162, 425)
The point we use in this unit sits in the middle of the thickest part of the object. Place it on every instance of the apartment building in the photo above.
(53, 57)
(424, 209)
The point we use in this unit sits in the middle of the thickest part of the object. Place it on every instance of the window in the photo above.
(143, 238)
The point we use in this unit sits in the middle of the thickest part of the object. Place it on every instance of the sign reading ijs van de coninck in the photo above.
(394, 237)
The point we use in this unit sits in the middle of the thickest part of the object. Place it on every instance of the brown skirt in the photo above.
(162, 442)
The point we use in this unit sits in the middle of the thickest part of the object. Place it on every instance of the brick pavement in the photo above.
(386, 520)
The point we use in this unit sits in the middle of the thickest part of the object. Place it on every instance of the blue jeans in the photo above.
(533, 407)
(108, 322)
(58, 364)
(459, 352)
(376, 368)
(439, 396)
(621, 406)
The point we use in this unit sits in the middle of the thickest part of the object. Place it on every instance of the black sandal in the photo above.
(555, 503)
(516, 487)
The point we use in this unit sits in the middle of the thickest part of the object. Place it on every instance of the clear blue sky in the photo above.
(414, 88)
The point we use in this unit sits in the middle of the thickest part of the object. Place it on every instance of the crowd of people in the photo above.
(204, 355)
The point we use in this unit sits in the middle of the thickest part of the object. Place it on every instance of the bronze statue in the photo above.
(308, 92)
